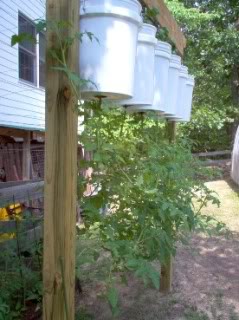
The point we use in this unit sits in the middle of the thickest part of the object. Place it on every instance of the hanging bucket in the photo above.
(235, 159)
(182, 94)
(188, 98)
(181, 100)
(144, 70)
(107, 61)
(161, 69)
(172, 87)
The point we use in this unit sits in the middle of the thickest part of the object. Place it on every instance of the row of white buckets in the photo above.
(125, 63)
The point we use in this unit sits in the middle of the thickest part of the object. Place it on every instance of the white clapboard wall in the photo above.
(22, 105)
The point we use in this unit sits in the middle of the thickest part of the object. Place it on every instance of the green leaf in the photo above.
(154, 277)
(20, 38)
(40, 25)
(140, 181)
(112, 296)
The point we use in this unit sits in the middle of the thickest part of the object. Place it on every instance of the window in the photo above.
(42, 62)
(27, 51)
(31, 54)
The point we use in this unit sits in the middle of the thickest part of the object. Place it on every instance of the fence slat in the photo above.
(21, 193)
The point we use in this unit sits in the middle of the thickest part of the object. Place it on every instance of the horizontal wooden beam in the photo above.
(25, 224)
(166, 19)
(12, 132)
(213, 154)
(20, 133)
(21, 193)
(10, 184)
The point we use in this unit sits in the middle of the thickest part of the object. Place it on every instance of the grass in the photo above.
(195, 315)
(228, 212)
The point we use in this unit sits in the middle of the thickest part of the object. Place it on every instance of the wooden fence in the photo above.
(11, 161)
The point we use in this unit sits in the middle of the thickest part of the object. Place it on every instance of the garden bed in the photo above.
(206, 274)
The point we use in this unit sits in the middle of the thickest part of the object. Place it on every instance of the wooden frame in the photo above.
(166, 19)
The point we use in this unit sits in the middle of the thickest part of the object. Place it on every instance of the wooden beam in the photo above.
(213, 154)
(12, 132)
(20, 133)
(60, 167)
(167, 268)
(9, 184)
(166, 19)
(20, 193)
(10, 225)
(171, 131)
(166, 276)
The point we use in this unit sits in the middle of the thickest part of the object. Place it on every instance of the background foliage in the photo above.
(212, 55)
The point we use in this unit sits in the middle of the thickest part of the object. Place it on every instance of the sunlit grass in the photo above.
(228, 212)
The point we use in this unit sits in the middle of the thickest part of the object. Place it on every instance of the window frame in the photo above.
(41, 59)
(32, 54)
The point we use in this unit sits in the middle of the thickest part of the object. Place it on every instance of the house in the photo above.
(22, 75)
(22, 81)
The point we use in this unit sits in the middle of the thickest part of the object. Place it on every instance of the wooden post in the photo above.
(167, 268)
(60, 169)
(26, 157)
(171, 132)
(166, 276)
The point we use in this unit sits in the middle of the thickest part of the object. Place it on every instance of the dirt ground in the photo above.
(206, 276)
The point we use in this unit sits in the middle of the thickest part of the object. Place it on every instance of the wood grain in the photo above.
(166, 19)
(166, 276)
(20, 192)
(60, 171)
(166, 279)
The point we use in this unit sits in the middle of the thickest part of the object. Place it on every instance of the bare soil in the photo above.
(206, 277)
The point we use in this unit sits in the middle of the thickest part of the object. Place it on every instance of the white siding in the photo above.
(22, 105)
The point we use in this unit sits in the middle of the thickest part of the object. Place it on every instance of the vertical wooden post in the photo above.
(26, 157)
(166, 276)
(172, 128)
(167, 268)
(60, 169)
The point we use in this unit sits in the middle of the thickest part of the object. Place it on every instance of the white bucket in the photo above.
(144, 69)
(189, 98)
(173, 83)
(161, 69)
(109, 61)
(235, 159)
(182, 96)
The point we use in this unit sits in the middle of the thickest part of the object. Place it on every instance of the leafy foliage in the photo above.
(151, 190)
(212, 56)
(20, 275)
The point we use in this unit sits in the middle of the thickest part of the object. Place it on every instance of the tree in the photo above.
(212, 55)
